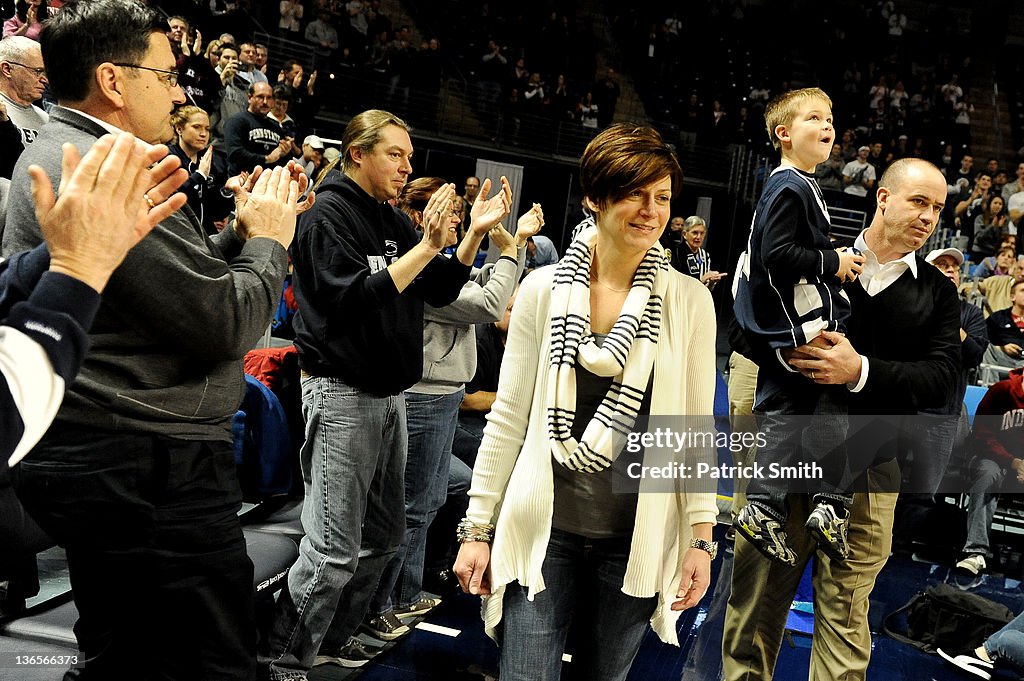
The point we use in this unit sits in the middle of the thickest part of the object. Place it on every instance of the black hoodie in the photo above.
(352, 322)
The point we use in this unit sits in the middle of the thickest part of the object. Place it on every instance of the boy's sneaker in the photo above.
(420, 607)
(765, 533)
(970, 663)
(385, 626)
(974, 563)
(830, 530)
(353, 654)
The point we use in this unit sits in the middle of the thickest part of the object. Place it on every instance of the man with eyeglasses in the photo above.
(136, 479)
(22, 81)
(253, 138)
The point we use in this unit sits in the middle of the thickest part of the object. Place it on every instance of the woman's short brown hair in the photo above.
(624, 157)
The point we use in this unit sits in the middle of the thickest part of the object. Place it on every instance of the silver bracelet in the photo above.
(468, 531)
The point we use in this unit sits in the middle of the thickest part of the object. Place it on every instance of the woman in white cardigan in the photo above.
(608, 335)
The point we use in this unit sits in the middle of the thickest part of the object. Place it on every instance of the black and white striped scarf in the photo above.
(627, 354)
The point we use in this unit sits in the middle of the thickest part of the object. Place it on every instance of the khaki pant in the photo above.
(763, 590)
(742, 384)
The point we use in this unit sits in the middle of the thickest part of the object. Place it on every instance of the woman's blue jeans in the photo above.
(584, 583)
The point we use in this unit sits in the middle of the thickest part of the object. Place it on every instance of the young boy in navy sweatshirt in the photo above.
(788, 290)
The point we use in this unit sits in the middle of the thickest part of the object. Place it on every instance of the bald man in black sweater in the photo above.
(901, 355)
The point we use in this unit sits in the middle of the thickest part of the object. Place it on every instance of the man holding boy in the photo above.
(905, 321)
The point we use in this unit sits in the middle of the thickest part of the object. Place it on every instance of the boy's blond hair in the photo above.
(782, 109)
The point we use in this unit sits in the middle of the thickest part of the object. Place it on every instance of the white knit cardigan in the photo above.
(512, 479)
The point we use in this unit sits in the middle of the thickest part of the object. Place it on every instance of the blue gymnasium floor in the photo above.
(425, 655)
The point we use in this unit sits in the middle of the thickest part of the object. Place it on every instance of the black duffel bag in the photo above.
(945, 617)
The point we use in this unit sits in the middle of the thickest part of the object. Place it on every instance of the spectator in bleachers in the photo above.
(197, 76)
(290, 22)
(990, 227)
(969, 208)
(207, 167)
(377, 20)
(997, 442)
(859, 175)
(27, 19)
(1006, 331)
(234, 96)
(362, 275)
(878, 95)
(540, 251)
(1017, 186)
(279, 113)
(998, 265)
(137, 477)
(313, 156)
(932, 439)
(261, 58)
(691, 257)
(305, 101)
(587, 111)
(212, 53)
(323, 37)
(432, 405)
(848, 142)
(252, 138)
(247, 69)
(562, 102)
(182, 43)
(22, 81)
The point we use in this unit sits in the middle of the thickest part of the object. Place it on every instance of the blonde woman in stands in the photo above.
(545, 539)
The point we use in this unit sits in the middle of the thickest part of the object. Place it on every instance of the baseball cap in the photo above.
(939, 252)
(331, 153)
(314, 141)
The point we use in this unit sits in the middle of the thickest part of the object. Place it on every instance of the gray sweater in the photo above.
(449, 334)
(176, 319)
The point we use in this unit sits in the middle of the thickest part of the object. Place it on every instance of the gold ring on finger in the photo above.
(149, 201)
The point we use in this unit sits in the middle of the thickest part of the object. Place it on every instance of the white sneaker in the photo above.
(972, 664)
(974, 563)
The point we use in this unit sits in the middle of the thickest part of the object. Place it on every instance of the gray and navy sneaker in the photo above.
(386, 627)
(353, 654)
(830, 530)
(765, 533)
(420, 607)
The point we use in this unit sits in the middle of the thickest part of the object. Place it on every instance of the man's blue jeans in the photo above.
(353, 467)
(584, 582)
(432, 420)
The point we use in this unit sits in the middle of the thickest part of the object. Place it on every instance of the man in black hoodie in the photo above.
(362, 275)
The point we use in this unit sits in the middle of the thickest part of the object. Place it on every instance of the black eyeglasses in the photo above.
(39, 72)
(168, 78)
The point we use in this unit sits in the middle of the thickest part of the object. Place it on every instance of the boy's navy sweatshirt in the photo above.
(786, 290)
(352, 322)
